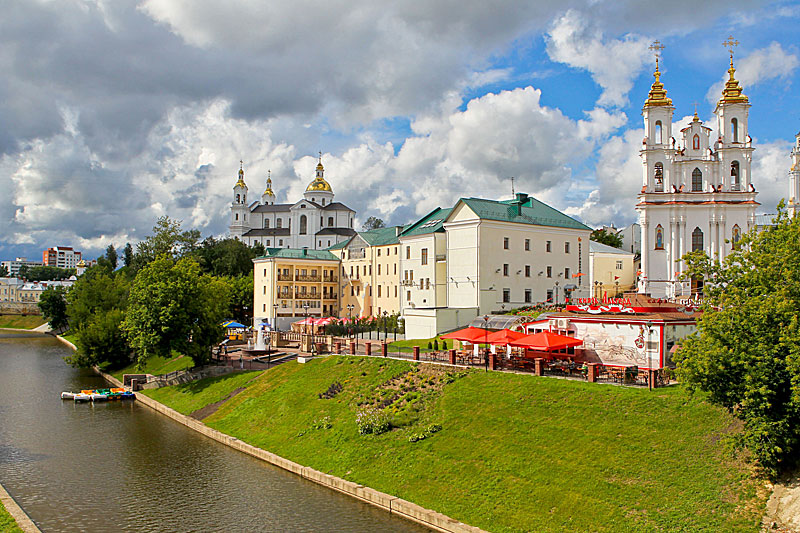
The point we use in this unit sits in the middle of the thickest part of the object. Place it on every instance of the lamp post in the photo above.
(275, 317)
(305, 307)
(385, 324)
(616, 289)
(486, 342)
(556, 302)
(596, 289)
(350, 308)
(649, 358)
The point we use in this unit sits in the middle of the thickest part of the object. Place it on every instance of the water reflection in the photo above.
(119, 466)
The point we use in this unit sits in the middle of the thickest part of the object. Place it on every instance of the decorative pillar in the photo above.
(338, 347)
(539, 366)
(452, 355)
(492, 361)
(416, 353)
(352, 347)
(368, 347)
(384, 349)
(592, 372)
(721, 237)
(645, 252)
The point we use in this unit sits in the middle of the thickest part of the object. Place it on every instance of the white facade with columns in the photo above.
(697, 193)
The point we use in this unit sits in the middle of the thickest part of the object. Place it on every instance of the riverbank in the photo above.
(500, 451)
(12, 518)
(21, 322)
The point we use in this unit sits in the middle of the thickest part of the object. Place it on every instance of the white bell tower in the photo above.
(794, 179)
(239, 225)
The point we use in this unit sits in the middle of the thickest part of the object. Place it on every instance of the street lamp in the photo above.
(350, 308)
(275, 317)
(486, 342)
(305, 307)
(385, 324)
(556, 293)
(649, 358)
(597, 289)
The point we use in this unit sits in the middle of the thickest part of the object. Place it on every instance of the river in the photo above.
(120, 466)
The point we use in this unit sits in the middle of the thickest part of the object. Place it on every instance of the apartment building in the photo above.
(61, 257)
(13, 266)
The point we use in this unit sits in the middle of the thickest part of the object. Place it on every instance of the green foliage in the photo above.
(173, 306)
(111, 256)
(3, 272)
(53, 305)
(44, 273)
(609, 239)
(746, 354)
(190, 397)
(241, 298)
(167, 239)
(371, 421)
(373, 223)
(430, 345)
(7, 522)
(127, 255)
(444, 344)
(226, 257)
(101, 340)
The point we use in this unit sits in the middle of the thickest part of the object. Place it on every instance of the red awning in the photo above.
(504, 336)
(469, 334)
(547, 341)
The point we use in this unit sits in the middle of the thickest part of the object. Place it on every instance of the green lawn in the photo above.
(157, 365)
(7, 522)
(190, 397)
(408, 345)
(515, 453)
(21, 321)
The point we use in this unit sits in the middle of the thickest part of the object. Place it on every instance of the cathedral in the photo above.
(697, 191)
(315, 222)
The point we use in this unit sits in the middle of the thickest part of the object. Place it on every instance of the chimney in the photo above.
(398, 230)
(519, 201)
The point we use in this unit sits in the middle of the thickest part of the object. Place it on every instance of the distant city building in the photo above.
(15, 290)
(315, 222)
(61, 257)
(13, 266)
(631, 238)
(611, 270)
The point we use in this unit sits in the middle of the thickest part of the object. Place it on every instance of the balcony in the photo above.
(307, 296)
(308, 279)
(284, 277)
(330, 279)
(329, 296)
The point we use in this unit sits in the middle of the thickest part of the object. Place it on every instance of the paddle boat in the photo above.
(98, 395)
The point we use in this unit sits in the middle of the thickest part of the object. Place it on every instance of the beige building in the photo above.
(290, 283)
(611, 270)
(369, 275)
(9, 288)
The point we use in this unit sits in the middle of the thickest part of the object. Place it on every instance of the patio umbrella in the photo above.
(546, 341)
(470, 334)
(233, 325)
(504, 336)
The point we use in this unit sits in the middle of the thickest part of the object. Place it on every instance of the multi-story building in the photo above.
(61, 257)
(289, 284)
(9, 288)
(13, 266)
(611, 270)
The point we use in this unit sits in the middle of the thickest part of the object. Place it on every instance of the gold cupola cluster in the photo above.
(658, 94)
(269, 192)
(319, 183)
(732, 93)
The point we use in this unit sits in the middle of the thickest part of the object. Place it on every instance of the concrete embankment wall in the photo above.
(398, 506)
(23, 520)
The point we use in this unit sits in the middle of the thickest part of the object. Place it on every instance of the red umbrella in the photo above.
(504, 336)
(469, 334)
(546, 341)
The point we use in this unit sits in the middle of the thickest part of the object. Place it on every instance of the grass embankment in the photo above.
(21, 321)
(156, 366)
(408, 345)
(515, 453)
(7, 522)
(190, 397)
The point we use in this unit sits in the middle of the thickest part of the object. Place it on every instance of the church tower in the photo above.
(239, 225)
(794, 179)
(319, 191)
(268, 198)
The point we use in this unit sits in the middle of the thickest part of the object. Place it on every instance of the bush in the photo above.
(430, 345)
(444, 344)
(436, 344)
(372, 422)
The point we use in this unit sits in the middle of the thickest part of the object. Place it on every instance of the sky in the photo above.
(114, 113)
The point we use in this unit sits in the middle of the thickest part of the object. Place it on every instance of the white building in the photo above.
(697, 192)
(315, 222)
(611, 270)
(631, 238)
(13, 266)
(61, 257)
(794, 179)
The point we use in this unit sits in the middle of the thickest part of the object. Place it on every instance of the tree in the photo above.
(22, 272)
(101, 340)
(226, 257)
(746, 353)
(3, 271)
(241, 301)
(53, 305)
(174, 307)
(111, 255)
(127, 254)
(46, 273)
(373, 223)
(609, 239)
(167, 239)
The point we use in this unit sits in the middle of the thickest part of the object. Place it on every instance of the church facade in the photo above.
(314, 222)
(697, 192)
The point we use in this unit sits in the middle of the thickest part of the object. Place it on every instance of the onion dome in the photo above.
(658, 95)
(732, 93)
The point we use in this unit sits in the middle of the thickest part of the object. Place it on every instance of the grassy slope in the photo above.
(190, 397)
(7, 522)
(408, 345)
(516, 452)
(156, 366)
(20, 321)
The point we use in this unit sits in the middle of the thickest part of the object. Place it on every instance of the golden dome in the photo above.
(269, 192)
(732, 93)
(319, 184)
(658, 95)
(319, 166)
(241, 182)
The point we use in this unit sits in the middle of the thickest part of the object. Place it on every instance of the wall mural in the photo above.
(616, 345)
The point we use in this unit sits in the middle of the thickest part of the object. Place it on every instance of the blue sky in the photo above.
(137, 109)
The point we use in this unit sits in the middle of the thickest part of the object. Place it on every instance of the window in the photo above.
(619, 265)
(697, 240)
(280, 242)
(330, 222)
(735, 176)
(303, 225)
(236, 217)
(379, 252)
(351, 222)
(659, 177)
(408, 296)
(566, 273)
(268, 241)
(408, 252)
(527, 271)
(395, 291)
(505, 243)
(735, 130)
(549, 295)
(379, 291)
(279, 223)
(659, 136)
(395, 250)
(379, 270)
(370, 270)
(659, 237)
(549, 272)
(527, 296)
(395, 269)
(302, 206)
(323, 201)
(424, 256)
(696, 142)
(548, 247)
(697, 180)
(506, 295)
(320, 222)
(566, 247)
(266, 223)
(505, 269)
(351, 271)
(527, 245)
(427, 283)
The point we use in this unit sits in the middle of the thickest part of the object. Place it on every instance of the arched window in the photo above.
(735, 183)
(696, 142)
(266, 223)
(697, 180)
(279, 223)
(697, 240)
(303, 225)
(236, 217)
(330, 222)
(323, 201)
(238, 198)
(659, 177)
(659, 237)
(658, 132)
(736, 235)
(735, 130)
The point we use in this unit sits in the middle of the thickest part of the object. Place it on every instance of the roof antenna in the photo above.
(513, 193)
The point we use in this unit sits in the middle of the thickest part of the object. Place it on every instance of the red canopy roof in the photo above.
(547, 341)
(469, 334)
(504, 336)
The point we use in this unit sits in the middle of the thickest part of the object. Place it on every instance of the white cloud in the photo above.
(770, 169)
(765, 64)
(613, 63)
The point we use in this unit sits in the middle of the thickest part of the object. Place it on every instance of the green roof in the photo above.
(339, 245)
(297, 253)
(532, 212)
(430, 223)
(381, 236)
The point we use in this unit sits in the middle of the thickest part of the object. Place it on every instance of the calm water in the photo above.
(122, 467)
